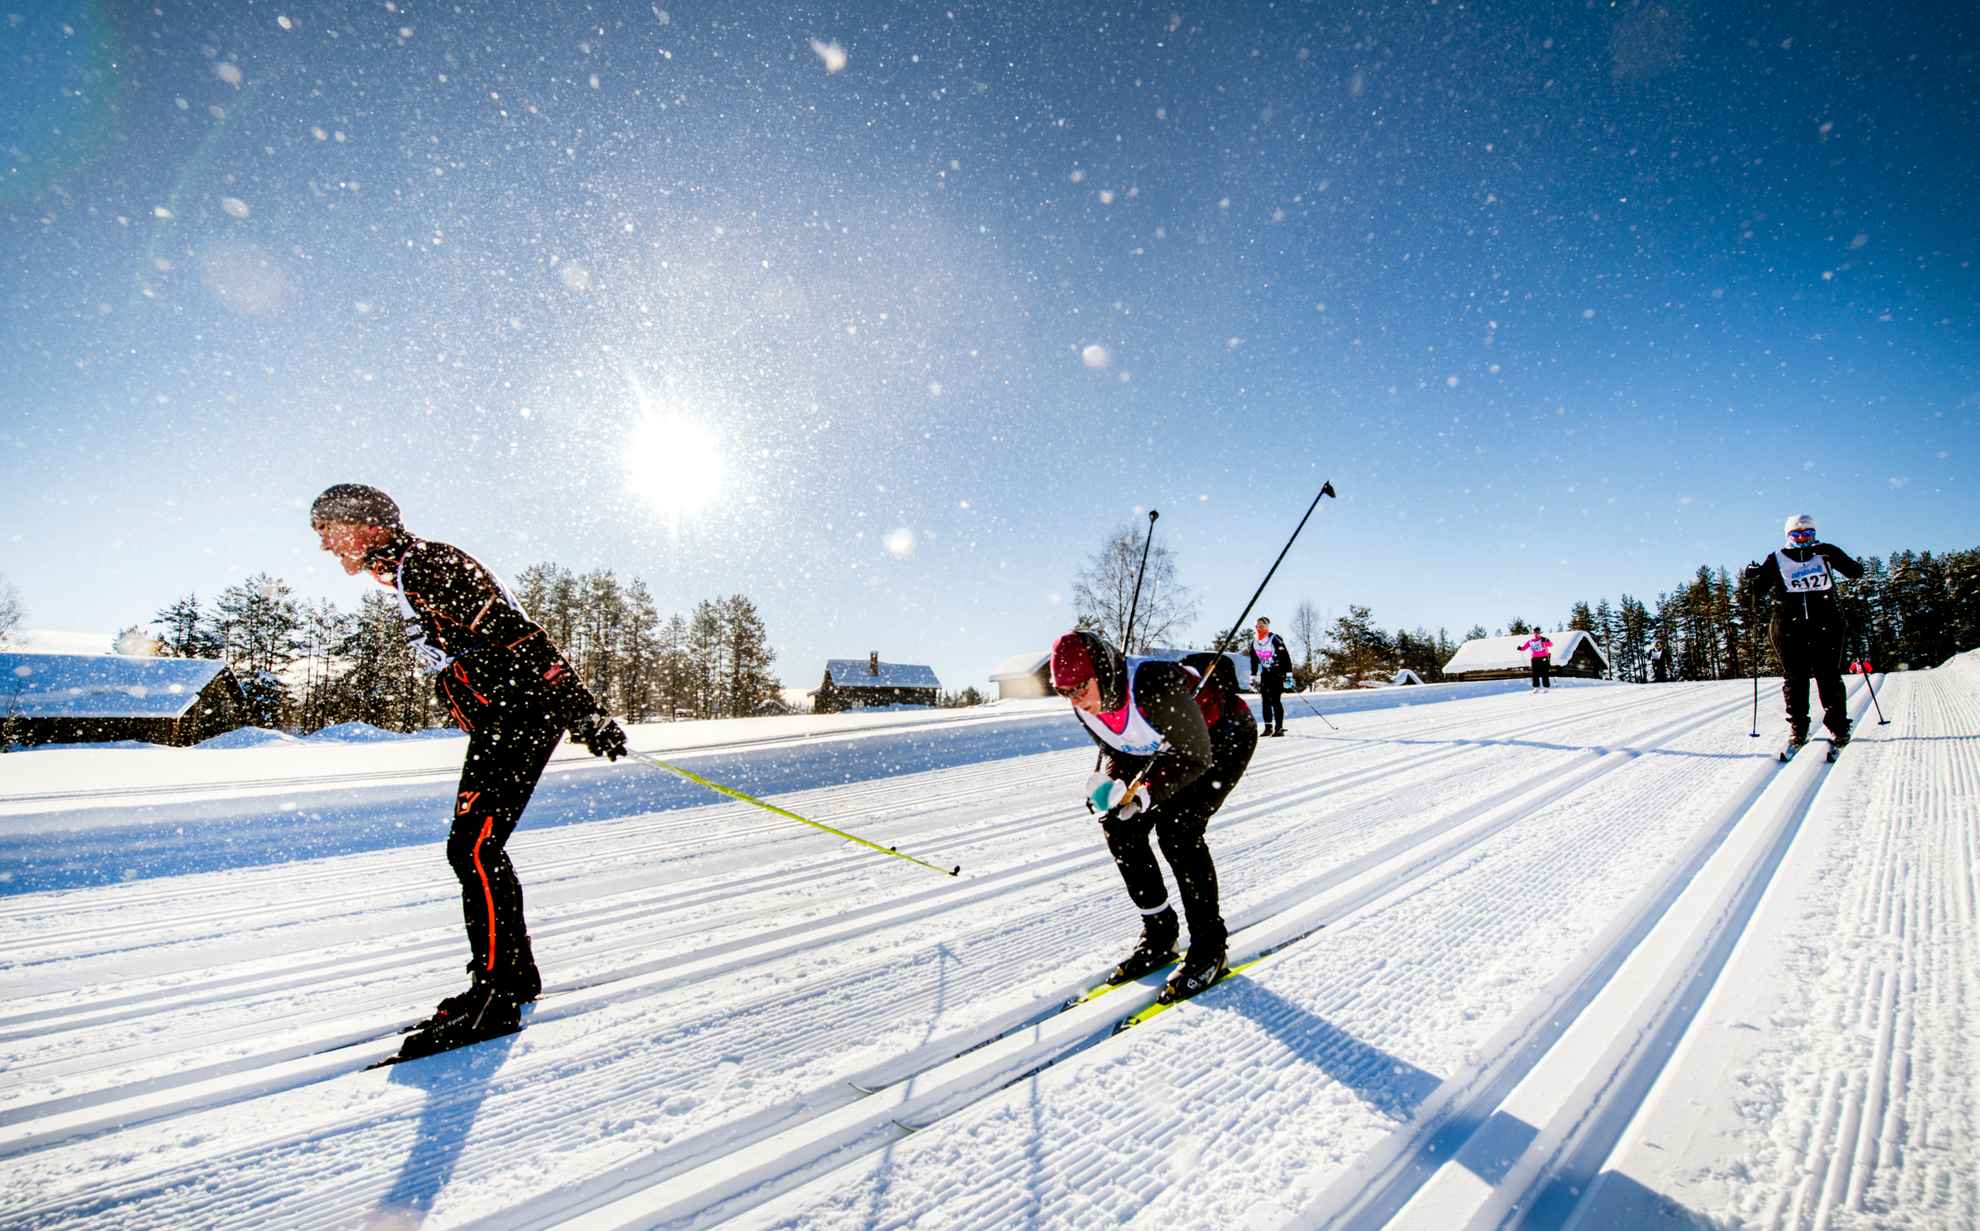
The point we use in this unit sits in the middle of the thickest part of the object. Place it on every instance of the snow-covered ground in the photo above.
(1591, 958)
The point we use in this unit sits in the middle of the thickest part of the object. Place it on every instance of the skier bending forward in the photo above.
(1189, 742)
(515, 695)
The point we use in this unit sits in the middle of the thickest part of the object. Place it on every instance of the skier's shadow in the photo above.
(456, 1083)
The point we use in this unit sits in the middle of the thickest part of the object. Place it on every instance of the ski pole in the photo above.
(1230, 638)
(1316, 713)
(732, 793)
(1217, 651)
(1881, 720)
(1127, 633)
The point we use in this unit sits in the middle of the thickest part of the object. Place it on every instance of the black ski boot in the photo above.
(1195, 974)
(484, 1011)
(1838, 738)
(1795, 740)
(1156, 950)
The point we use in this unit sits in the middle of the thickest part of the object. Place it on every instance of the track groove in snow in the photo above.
(1472, 862)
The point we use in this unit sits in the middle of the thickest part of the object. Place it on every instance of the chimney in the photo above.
(873, 662)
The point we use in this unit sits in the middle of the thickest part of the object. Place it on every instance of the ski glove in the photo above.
(600, 734)
(1106, 796)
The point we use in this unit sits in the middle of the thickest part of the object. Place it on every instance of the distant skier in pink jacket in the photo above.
(1542, 651)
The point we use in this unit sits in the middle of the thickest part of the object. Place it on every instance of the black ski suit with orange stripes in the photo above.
(514, 693)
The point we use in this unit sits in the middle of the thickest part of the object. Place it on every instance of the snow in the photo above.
(54, 685)
(1589, 958)
(58, 641)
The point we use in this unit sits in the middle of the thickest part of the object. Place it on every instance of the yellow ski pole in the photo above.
(732, 793)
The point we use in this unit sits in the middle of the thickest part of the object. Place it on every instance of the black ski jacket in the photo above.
(489, 659)
(1816, 607)
(1166, 695)
(1281, 661)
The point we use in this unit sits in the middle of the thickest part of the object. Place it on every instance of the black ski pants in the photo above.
(1811, 649)
(1178, 825)
(1543, 671)
(1270, 689)
(503, 763)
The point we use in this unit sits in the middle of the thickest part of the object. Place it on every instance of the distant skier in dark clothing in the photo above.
(515, 695)
(1271, 664)
(1181, 745)
(1541, 651)
(1806, 626)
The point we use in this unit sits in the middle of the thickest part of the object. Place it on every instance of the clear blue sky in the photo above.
(1564, 303)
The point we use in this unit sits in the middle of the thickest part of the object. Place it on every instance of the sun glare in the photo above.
(674, 464)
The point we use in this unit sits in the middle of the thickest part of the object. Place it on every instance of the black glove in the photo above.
(1753, 569)
(601, 734)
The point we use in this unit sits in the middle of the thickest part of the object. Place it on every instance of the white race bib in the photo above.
(1804, 577)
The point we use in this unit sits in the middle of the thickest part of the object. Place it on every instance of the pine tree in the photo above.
(640, 645)
(258, 621)
(707, 663)
(748, 682)
(186, 630)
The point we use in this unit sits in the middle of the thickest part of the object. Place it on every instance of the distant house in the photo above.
(1239, 664)
(87, 698)
(852, 683)
(1024, 675)
(1406, 676)
(1500, 658)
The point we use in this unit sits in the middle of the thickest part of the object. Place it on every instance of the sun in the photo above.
(673, 463)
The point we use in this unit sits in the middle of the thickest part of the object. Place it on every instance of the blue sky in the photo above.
(1564, 303)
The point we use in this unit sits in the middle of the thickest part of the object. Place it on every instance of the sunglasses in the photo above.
(1801, 534)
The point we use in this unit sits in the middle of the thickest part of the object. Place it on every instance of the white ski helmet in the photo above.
(1800, 521)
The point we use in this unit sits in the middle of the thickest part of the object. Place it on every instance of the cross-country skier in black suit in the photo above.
(1806, 626)
(515, 695)
(1188, 742)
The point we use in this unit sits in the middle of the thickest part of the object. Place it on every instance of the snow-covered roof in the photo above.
(59, 641)
(1017, 666)
(1504, 654)
(856, 673)
(1406, 676)
(102, 685)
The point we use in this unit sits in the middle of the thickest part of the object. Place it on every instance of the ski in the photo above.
(1788, 751)
(1101, 989)
(463, 1046)
(1158, 1008)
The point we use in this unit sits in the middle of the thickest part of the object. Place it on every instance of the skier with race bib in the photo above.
(1540, 653)
(1271, 663)
(1806, 626)
(1172, 746)
(515, 695)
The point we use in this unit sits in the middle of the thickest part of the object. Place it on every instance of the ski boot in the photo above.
(1156, 950)
(522, 982)
(1795, 740)
(1194, 975)
(484, 1011)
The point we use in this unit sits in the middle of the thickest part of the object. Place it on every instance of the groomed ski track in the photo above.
(1497, 927)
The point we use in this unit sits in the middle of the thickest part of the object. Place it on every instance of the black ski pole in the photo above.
(1881, 720)
(1217, 651)
(1753, 661)
(1127, 633)
(1230, 638)
(1316, 713)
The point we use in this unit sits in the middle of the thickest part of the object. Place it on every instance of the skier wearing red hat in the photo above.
(1172, 745)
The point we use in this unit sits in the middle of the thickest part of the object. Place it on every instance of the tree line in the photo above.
(310, 665)
(1912, 609)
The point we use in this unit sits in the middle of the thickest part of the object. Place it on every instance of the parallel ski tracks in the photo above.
(696, 1150)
